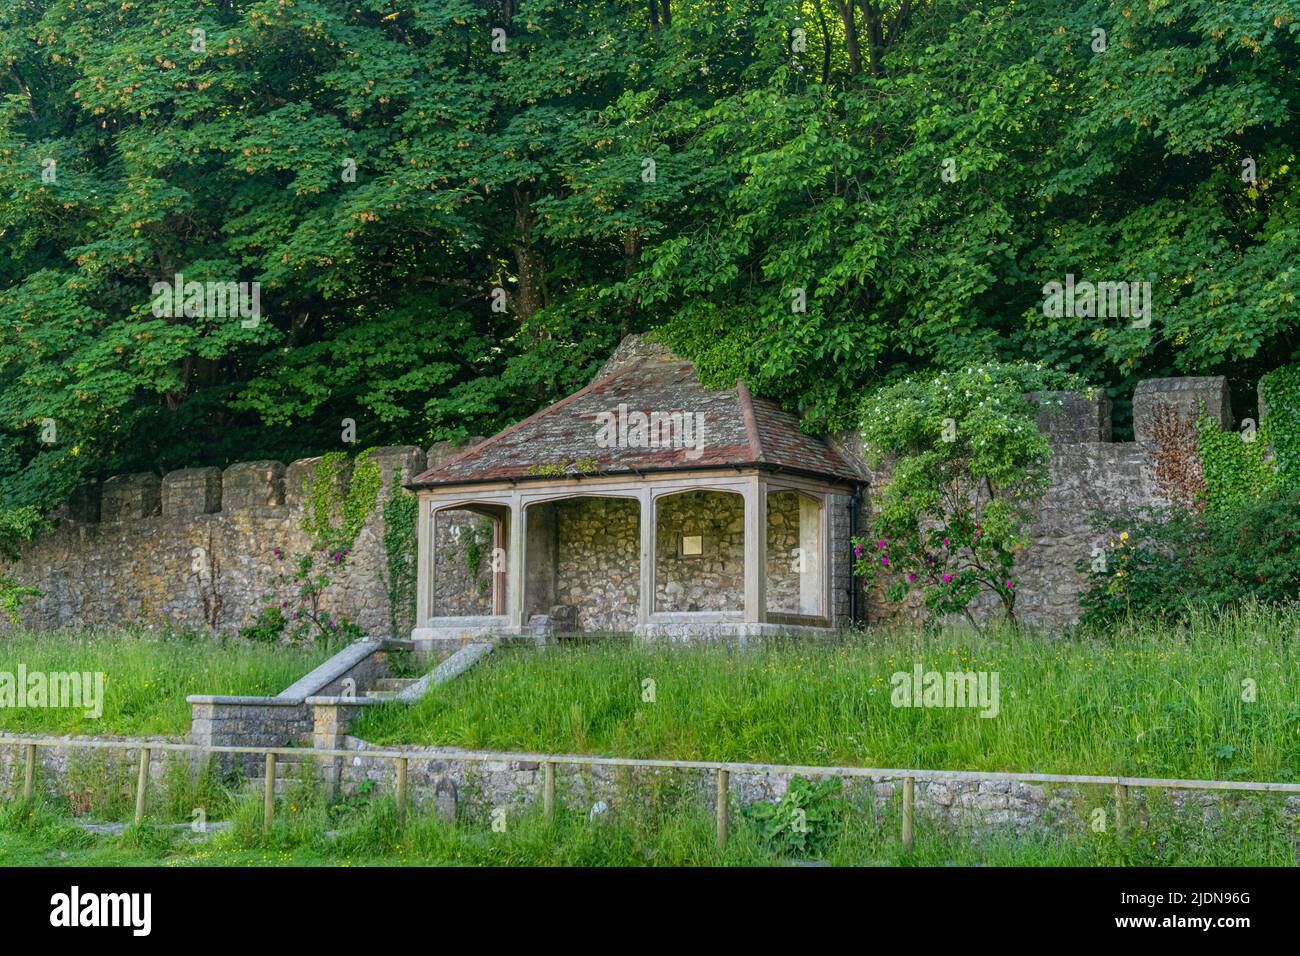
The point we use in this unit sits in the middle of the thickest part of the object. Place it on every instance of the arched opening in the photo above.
(469, 561)
(581, 572)
(794, 555)
(700, 552)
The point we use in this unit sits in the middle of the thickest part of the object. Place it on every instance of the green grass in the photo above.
(674, 832)
(1145, 700)
(148, 675)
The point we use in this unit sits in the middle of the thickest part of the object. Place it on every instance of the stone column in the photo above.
(648, 530)
(425, 567)
(516, 560)
(755, 550)
(810, 547)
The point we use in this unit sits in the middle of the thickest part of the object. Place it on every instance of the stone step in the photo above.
(381, 694)
(393, 683)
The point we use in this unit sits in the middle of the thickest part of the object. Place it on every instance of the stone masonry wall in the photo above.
(1089, 473)
(599, 559)
(714, 580)
(198, 545)
(516, 783)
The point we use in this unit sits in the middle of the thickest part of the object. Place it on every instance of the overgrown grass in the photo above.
(1145, 700)
(148, 675)
(675, 832)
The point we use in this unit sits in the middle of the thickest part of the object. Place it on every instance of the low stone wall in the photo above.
(80, 771)
(515, 783)
(285, 720)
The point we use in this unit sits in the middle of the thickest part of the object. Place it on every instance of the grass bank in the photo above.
(147, 676)
(365, 832)
(1143, 700)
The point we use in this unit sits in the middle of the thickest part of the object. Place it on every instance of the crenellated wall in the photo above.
(128, 550)
(1089, 473)
(199, 546)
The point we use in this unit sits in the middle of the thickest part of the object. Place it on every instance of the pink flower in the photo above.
(911, 577)
(945, 542)
(884, 559)
(880, 543)
(1011, 584)
(947, 577)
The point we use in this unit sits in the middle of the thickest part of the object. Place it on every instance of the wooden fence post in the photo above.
(401, 791)
(141, 785)
(268, 794)
(909, 807)
(29, 774)
(548, 789)
(724, 781)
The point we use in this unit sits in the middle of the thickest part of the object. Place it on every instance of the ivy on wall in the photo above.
(1237, 465)
(1280, 390)
(401, 511)
(339, 496)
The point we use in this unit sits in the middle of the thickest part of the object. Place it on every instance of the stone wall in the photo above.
(199, 546)
(515, 782)
(598, 561)
(715, 579)
(1089, 473)
(461, 588)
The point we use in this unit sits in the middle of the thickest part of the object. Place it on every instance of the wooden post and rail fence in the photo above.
(723, 770)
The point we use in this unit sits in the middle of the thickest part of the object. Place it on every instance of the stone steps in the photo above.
(386, 688)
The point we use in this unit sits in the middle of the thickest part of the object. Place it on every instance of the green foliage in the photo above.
(820, 170)
(268, 627)
(1165, 566)
(340, 495)
(805, 820)
(968, 460)
(401, 513)
(1237, 466)
(1280, 389)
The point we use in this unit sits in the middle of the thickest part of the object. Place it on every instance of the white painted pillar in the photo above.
(424, 567)
(810, 578)
(648, 534)
(756, 549)
(516, 558)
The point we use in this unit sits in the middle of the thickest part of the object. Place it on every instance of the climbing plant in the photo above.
(1280, 390)
(968, 462)
(339, 495)
(1237, 466)
(401, 511)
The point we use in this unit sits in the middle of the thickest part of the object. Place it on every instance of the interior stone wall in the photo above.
(598, 567)
(459, 588)
(715, 580)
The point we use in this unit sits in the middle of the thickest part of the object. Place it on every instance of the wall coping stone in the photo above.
(330, 671)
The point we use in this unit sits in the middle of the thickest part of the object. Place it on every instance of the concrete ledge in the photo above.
(449, 669)
(333, 670)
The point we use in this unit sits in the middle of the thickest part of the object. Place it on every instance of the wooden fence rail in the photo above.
(548, 762)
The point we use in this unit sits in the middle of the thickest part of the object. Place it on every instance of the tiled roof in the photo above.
(595, 430)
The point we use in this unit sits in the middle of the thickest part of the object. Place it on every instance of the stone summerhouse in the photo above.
(643, 503)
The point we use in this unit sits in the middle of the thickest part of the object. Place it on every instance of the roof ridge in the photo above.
(751, 424)
(546, 409)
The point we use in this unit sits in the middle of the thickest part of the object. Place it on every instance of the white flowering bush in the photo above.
(968, 463)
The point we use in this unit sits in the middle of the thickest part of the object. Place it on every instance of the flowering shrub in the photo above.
(968, 462)
(1170, 563)
(338, 499)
